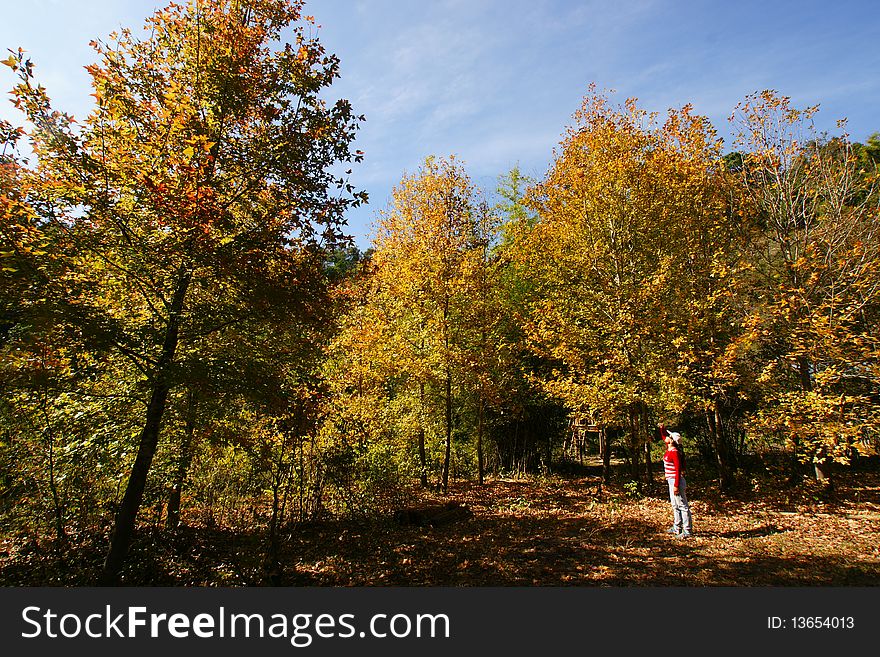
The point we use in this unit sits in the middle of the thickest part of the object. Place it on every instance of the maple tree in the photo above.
(194, 197)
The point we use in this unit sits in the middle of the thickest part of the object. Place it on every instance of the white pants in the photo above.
(681, 512)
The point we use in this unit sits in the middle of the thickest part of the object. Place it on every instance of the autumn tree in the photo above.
(868, 154)
(703, 263)
(809, 204)
(629, 221)
(592, 254)
(523, 421)
(371, 413)
(33, 443)
(419, 326)
(192, 199)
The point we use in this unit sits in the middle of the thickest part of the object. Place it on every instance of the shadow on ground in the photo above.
(560, 532)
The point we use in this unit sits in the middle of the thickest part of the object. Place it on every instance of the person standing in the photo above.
(674, 465)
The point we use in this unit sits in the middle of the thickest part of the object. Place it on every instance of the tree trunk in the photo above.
(271, 563)
(719, 442)
(548, 467)
(480, 472)
(512, 458)
(57, 508)
(821, 466)
(634, 446)
(149, 439)
(649, 472)
(795, 461)
(806, 376)
(605, 453)
(822, 469)
(578, 437)
(183, 461)
(448, 455)
(423, 460)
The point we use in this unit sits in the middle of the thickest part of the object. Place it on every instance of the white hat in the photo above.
(676, 437)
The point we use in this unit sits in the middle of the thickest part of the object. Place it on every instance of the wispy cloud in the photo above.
(496, 81)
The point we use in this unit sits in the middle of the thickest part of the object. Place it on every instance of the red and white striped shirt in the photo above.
(672, 466)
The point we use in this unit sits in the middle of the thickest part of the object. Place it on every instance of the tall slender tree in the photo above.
(194, 195)
(429, 266)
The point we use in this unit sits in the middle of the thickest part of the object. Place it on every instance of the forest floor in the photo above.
(553, 531)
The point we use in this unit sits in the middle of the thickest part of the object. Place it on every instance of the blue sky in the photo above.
(495, 82)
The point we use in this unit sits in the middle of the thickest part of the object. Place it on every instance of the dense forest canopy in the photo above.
(187, 335)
